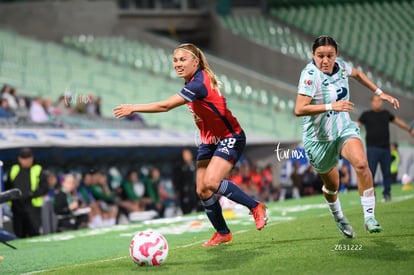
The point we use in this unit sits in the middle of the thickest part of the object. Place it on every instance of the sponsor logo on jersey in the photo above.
(343, 74)
(224, 150)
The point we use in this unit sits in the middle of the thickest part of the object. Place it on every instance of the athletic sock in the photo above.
(335, 209)
(368, 203)
(234, 193)
(214, 213)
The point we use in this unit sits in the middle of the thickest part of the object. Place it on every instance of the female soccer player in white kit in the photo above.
(328, 131)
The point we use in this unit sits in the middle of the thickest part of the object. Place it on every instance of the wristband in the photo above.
(378, 91)
(328, 107)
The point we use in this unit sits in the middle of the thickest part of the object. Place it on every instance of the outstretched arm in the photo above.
(364, 80)
(399, 122)
(154, 107)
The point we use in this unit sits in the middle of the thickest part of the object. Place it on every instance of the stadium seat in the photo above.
(120, 71)
(389, 23)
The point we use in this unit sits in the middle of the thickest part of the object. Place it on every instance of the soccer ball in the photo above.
(148, 247)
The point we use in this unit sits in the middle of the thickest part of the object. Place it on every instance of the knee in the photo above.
(207, 186)
(201, 191)
(361, 167)
(211, 182)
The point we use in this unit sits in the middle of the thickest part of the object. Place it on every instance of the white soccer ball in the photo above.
(148, 247)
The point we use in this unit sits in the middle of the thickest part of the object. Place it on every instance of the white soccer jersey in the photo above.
(323, 89)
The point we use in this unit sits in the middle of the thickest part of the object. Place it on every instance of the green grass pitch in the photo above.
(301, 238)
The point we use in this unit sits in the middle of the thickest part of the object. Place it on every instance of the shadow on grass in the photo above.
(380, 249)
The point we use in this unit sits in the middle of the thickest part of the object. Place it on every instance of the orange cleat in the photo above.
(219, 239)
(259, 215)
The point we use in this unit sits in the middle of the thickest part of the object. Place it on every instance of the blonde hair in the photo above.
(198, 54)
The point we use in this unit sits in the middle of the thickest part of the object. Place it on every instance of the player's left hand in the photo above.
(395, 103)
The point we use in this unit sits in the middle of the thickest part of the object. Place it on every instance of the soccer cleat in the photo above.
(344, 227)
(219, 239)
(259, 215)
(372, 226)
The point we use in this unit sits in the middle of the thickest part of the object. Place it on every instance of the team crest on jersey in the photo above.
(307, 82)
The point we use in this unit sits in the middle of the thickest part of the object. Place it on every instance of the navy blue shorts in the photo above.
(229, 149)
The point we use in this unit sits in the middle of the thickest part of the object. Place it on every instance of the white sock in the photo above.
(368, 205)
(335, 209)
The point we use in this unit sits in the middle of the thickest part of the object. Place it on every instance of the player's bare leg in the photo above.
(210, 174)
(354, 152)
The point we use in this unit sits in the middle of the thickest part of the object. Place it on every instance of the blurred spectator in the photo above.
(152, 198)
(101, 192)
(377, 140)
(67, 206)
(5, 111)
(93, 105)
(309, 178)
(168, 198)
(256, 181)
(184, 180)
(131, 192)
(49, 107)
(296, 178)
(269, 191)
(86, 199)
(38, 113)
(247, 185)
(52, 184)
(49, 218)
(9, 94)
(85, 196)
(30, 179)
(98, 104)
(63, 106)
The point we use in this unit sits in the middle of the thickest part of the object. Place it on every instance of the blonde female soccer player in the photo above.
(328, 131)
(223, 139)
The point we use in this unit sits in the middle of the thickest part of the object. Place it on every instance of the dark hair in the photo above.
(324, 40)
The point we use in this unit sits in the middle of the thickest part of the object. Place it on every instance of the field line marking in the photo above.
(83, 264)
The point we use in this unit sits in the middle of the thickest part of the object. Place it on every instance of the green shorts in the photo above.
(324, 155)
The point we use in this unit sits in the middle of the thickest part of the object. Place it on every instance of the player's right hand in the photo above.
(342, 106)
(123, 110)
